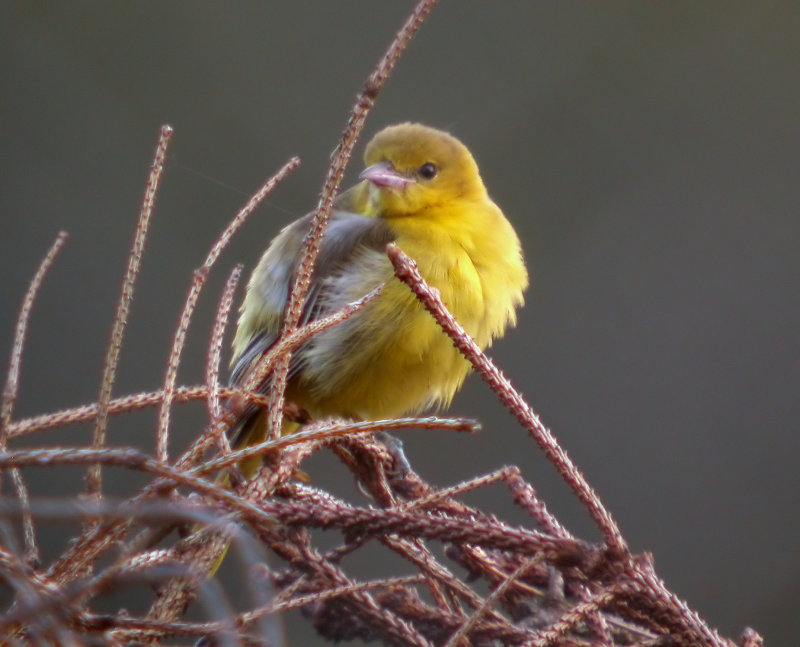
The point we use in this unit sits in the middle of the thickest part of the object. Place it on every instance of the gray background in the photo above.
(646, 152)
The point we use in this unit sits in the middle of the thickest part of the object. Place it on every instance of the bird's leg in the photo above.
(400, 465)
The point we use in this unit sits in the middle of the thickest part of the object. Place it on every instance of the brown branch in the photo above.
(11, 389)
(185, 394)
(198, 283)
(94, 476)
(215, 353)
(339, 159)
(406, 270)
(460, 635)
(570, 620)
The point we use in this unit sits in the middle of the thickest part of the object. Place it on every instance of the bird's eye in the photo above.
(428, 171)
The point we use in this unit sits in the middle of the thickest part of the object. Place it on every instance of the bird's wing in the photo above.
(346, 235)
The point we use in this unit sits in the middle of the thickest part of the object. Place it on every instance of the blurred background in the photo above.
(647, 153)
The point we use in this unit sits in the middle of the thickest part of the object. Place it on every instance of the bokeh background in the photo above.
(646, 152)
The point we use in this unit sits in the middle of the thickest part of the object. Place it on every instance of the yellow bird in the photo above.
(422, 190)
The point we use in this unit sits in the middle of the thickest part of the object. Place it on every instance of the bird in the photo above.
(420, 189)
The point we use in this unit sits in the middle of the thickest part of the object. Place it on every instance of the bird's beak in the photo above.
(384, 175)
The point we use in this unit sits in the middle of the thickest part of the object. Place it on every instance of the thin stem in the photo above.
(215, 351)
(11, 390)
(340, 157)
(200, 277)
(406, 270)
(94, 475)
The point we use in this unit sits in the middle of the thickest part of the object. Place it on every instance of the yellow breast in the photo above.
(392, 358)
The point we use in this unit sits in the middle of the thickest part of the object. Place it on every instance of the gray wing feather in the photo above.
(346, 235)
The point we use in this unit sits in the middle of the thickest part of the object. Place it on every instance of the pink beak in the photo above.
(384, 175)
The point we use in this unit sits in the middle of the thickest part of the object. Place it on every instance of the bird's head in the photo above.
(411, 168)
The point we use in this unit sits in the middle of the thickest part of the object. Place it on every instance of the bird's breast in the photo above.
(391, 358)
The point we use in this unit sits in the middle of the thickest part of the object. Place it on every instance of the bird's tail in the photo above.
(251, 430)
